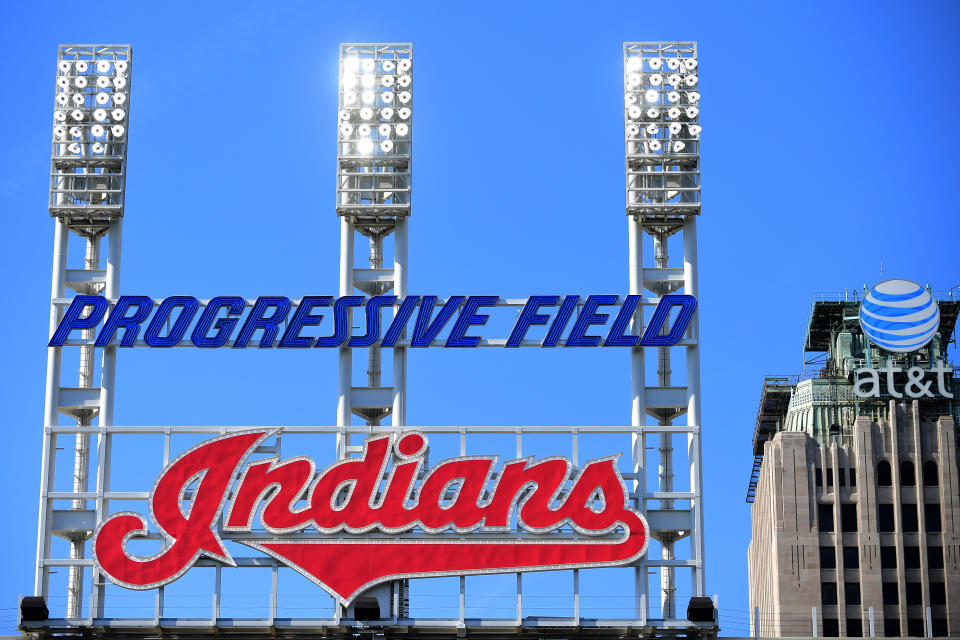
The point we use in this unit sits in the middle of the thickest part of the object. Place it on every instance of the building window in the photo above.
(884, 479)
(851, 593)
(854, 628)
(828, 593)
(842, 477)
(848, 517)
(938, 593)
(909, 514)
(890, 593)
(885, 517)
(825, 517)
(888, 557)
(828, 558)
(829, 477)
(914, 593)
(891, 627)
(931, 515)
(930, 478)
(907, 477)
(915, 627)
(853, 477)
(939, 628)
(935, 557)
(818, 476)
(831, 628)
(911, 557)
(851, 557)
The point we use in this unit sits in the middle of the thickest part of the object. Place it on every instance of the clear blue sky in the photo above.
(829, 145)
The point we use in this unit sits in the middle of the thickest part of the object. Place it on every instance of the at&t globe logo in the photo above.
(899, 316)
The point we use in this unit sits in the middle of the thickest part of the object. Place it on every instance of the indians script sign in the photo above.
(376, 517)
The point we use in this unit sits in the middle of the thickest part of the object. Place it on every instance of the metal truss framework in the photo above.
(661, 133)
(166, 617)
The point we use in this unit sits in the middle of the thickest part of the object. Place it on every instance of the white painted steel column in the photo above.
(345, 374)
(694, 441)
(50, 409)
(400, 353)
(638, 411)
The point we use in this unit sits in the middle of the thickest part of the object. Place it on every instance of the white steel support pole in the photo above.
(345, 374)
(400, 353)
(58, 288)
(638, 411)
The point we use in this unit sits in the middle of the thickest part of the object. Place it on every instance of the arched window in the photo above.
(908, 478)
(930, 478)
(883, 474)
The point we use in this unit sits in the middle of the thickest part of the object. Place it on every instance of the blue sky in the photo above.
(828, 147)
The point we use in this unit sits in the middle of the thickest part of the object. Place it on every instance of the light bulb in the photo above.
(100, 115)
(387, 97)
(675, 128)
(633, 130)
(387, 146)
(103, 98)
(634, 80)
(678, 146)
(96, 147)
(384, 130)
(75, 132)
(388, 66)
(344, 115)
(117, 114)
(62, 99)
(81, 66)
(404, 113)
(120, 66)
(59, 116)
(349, 97)
(386, 81)
(363, 131)
(103, 82)
(693, 97)
(80, 81)
(119, 98)
(652, 95)
(386, 113)
(367, 65)
(366, 113)
(690, 63)
(346, 130)
(367, 80)
(404, 81)
(692, 112)
(652, 129)
(694, 129)
(653, 112)
(119, 82)
(655, 145)
(365, 145)
(96, 130)
(60, 131)
(63, 83)
(634, 112)
(77, 115)
(349, 81)
(655, 63)
(656, 79)
(402, 130)
(674, 79)
(674, 96)
(351, 65)
(691, 80)
(78, 99)
(634, 64)
(673, 64)
(404, 65)
(64, 66)
(117, 130)
(629, 99)
(404, 97)
(674, 112)
(367, 97)
(103, 66)
(74, 148)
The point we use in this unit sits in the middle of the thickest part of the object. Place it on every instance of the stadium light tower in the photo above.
(373, 201)
(662, 139)
(87, 184)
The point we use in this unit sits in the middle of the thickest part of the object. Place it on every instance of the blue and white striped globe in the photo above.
(899, 316)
